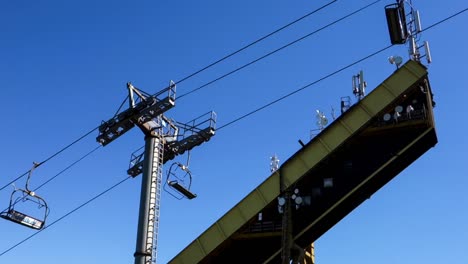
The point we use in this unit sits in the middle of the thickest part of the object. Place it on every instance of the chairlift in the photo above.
(20, 198)
(178, 181)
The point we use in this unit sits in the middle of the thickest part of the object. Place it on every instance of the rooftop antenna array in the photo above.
(359, 90)
(404, 27)
(274, 163)
(345, 103)
(321, 122)
(164, 139)
(274, 166)
(359, 85)
(333, 113)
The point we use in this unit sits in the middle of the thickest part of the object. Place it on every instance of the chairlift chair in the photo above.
(22, 196)
(178, 181)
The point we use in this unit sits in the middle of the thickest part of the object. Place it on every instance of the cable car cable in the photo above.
(303, 87)
(193, 74)
(66, 215)
(255, 42)
(115, 185)
(49, 158)
(279, 49)
(61, 172)
(333, 73)
(68, 167)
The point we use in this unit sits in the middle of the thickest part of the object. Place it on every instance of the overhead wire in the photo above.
(256, 41)
(68, 167)
(205, 68)
(303, 87)
(331, 74)
(120, 182)
(65, 215)
(49, 158)
(279, 49)
(56, 175)
(186, 78)
(183, 79)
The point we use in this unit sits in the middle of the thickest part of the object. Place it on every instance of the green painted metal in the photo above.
(302, 161)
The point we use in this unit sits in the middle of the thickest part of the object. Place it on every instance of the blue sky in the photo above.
(64, 66)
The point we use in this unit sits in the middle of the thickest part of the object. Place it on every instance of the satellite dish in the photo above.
(298, 200)
(397, 60)
(399, 109)
(387, 117)
(281, 201)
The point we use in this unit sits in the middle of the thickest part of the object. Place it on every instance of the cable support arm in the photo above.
(148, 107)
(179, 137)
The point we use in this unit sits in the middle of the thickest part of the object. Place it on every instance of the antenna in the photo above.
(274, 163)
(345, 103)
(333, 113)
(417, 21)
(428, 52)
(359, 85)
(401, 32)
(321, 122)
(396, 22)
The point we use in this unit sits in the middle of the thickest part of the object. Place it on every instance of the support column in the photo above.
(286, 235)
(148, 219)
(309, 257)
(286, 227)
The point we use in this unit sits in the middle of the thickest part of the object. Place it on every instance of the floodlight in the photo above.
(328, 182)
(409, 109)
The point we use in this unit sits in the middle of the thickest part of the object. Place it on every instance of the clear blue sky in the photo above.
(64, 66)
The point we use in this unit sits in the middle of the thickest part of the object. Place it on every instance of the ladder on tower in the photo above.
(155, 201)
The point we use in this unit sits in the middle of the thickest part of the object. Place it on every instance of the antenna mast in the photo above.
(274, 163)
(321, 122)
(402, 31)
(359, 85)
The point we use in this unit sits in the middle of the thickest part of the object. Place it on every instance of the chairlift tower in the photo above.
(164, 139)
